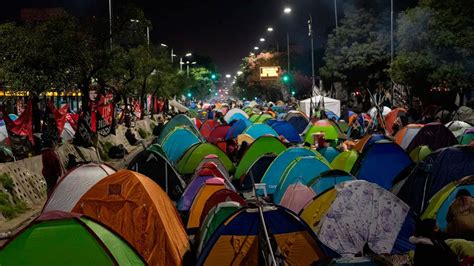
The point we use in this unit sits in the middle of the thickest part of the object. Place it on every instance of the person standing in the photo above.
(51, 166)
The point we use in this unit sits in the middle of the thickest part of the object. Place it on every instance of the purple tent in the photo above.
(184, 204)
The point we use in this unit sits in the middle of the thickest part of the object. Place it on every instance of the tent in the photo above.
(381, 162)
(213, 163)
(137, 208)
(261, 146)
(177, 121)
(465, 114)
(234, 114)
(315, 210)
(59, 238)
(211, 168)
(406, 135)
(435, 136)
(3, 131)
(217, 215)
(72, 186)
(210, 187)
(260, 118)
(218, 134)
(458, 127)
(329, 129)
(256, 171)
(237, 127)
(302, 169)
(178, 142)
(329, 153)
(437, 170)
(327, 180)
(364, 213)
(330, 104)
(159, 169)
(345, 160)
(207, 127)
(257, 130)
(218, 197)
(368, 140)
(156, 148)
(439, 204)
(237, 240)
(467, 137)
(420, 153)
(298, 120)
(296, 197)
(190, 160)
(244, 138)
(277, 168)
(285, 129)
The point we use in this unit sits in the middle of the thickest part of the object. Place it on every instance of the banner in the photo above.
(136, 109)
(84, 133)
(148, 102)
(72, 119)
(59, 115)
(105, 115)
(23, 126)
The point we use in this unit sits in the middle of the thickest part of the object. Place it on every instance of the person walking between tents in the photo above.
(460, 216)
(51, 165)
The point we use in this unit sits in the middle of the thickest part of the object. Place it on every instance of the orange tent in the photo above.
(137, 209)
(210, 187)
(400, 136)
(359, 146)
(391, 117)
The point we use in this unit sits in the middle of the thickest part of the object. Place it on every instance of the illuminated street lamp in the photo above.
(228, 76)
(269, 29)
(287, 10)
(256, 48)
(239, 73)
(262, 39)
(189, 55)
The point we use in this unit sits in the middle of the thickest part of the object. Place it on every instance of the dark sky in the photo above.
(225, 30)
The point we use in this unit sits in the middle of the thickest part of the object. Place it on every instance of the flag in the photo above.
(60, 115)
(23, 126)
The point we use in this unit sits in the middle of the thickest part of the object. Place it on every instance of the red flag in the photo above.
(23, 126)
(72, 119)
(59, 115)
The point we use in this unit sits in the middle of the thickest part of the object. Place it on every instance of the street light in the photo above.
(287, 10)
(269, 29)
(163, 45)
(188, 54)
(262, 39)
(228, 76)
(256, 48)
(239, 73)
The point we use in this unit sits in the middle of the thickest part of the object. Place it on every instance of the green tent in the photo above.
(420, 153)
(214, 219)
(156, 148)
(331, 132)
(194, 155)
(345, 161)
(178, 120)
(59, 238)
(262, 118)
(261, 146)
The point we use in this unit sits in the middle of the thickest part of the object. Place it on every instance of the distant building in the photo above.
(40, 14)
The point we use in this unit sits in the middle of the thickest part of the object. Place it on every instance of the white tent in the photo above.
(330, 104)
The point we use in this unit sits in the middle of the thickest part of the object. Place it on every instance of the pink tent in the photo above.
(297, 196)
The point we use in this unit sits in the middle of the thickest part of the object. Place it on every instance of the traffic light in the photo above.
(213, 76)
(286, 78)
(189, 95)
(293, 93)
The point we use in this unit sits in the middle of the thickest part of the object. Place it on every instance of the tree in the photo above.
(357, 52)
(436, 47)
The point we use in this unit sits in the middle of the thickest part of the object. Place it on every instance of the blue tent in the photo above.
(237, 127)
(178, 142)
(331, 115)
(257, 130)
(299, 122)
(328, 180)
(302, 169)
(237, 116)
(285, 129)
(381, 162)
(257, 171)
(329, 153)
(432, 174)
(278, 166)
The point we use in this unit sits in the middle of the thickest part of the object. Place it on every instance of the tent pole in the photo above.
(262, 219)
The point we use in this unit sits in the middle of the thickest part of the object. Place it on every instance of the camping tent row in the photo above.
(94, 209)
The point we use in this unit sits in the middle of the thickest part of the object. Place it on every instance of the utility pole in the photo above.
(172, 55)
(288, 48)
(148, 35)
(335, 13)
(110, 23)
(310, 33)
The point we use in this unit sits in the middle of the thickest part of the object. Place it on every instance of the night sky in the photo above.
(225, 30)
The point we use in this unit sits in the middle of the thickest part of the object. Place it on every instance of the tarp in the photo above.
(178, 142)
(285, 129)
(237, 127)
(155, 166)
(59, 238)
(364, 213)
(74, 184)
(381, 163)
(237, 240)
(261, 146)
(257, 130)
(296, 197)
(277, 168)
(330, 104)
(136, 208)
(190, 161)
(302, 169)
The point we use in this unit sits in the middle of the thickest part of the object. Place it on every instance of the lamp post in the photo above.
(181, 63)
(287, 10)
(187, 67)
(335, 13)
(110, 23)
(172, 54)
